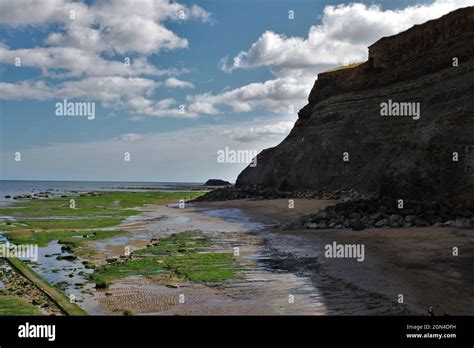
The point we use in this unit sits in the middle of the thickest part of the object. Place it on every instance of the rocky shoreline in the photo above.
(50, 193)
(360, 214)
(255, 192)
(359, 211)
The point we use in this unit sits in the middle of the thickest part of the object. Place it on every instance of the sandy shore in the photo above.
(284, 272)
(415, 262)
(259, 290)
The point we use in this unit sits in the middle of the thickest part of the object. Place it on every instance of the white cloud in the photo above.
(342, 38)
(110, 89)
(78, 62)
(85, 42)
(115, 92)
(343, 35)
(162, 108)
(80, 46)
(29, 12)
(118, 26)
(284, 95)
(173, 82)
(206, 107)
(260, 132)
(25, 90)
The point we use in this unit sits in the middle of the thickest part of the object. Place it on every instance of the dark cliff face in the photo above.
(387, 155)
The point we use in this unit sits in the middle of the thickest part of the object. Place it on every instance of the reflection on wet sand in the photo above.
(259, 289)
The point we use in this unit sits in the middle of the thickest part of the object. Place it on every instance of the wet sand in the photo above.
(285, 272)
(260, 289)
(415, 262)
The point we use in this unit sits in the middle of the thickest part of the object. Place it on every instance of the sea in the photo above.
(12, 188)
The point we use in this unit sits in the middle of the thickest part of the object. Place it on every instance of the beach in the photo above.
(415, 262)
(259, 289)
(237, 258)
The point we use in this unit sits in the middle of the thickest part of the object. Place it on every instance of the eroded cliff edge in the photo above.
(388, 156)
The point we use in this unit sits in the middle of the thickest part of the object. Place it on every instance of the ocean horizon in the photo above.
(13, 188)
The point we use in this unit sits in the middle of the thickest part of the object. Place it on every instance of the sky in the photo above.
(172, 82)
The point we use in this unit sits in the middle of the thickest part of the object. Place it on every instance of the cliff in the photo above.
(341, 141)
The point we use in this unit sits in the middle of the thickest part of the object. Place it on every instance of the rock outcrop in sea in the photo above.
(217, 182)
(349, 137)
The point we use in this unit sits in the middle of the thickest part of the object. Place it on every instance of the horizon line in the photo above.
(154, 182)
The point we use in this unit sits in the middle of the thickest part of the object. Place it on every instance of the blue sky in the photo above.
(175, 61)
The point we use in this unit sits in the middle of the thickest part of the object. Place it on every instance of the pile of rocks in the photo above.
(389, 213)
(256, 192)
(248, 192)
(20, 197)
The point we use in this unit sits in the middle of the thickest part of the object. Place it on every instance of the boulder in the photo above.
(381, 223)
(217, 182)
